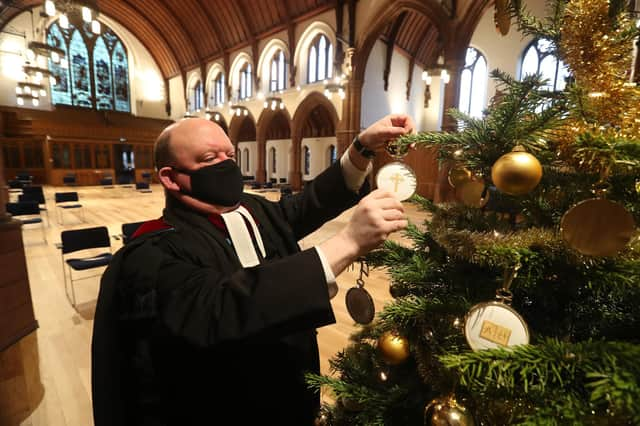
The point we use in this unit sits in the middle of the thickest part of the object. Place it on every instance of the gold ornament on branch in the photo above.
(516, 173)
(393, 348)
(473, 193)
(447, 412)
(459, 174)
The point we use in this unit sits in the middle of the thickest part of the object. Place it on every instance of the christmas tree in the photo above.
(521, 303)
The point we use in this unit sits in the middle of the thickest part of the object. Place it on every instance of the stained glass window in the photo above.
(102, 75)
(61, 90)
(80, 72)
(473, 83)
(320, 64)
(97, 71)
(121, 77)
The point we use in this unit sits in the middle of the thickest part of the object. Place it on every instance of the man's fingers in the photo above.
(392, 215)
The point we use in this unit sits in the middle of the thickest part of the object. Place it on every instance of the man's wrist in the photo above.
(361, 149)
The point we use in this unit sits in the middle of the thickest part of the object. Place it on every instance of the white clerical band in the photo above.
(241, 238)
(246, 251)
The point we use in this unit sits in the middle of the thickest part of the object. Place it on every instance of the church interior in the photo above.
(87, 86)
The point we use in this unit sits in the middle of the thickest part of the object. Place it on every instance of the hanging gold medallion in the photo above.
(358, 300)
(495, 324)
(597, 227)
(397, 177)
(473, 193)
(516, 172)
(501, 16)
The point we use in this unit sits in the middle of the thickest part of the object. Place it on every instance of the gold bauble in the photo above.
(459, 175)
(516, 173)
(447, 412)
(472, 193)
(393, 348)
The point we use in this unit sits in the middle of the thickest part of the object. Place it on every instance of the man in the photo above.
(209, 313)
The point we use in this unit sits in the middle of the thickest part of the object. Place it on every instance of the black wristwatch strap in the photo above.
(367, 153)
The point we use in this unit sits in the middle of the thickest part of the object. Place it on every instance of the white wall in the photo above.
(319, 158)
(502, 52)
(376, 102)
(283, 147)
(147, 90)
(253, 157)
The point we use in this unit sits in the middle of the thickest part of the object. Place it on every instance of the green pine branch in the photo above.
(607, 373)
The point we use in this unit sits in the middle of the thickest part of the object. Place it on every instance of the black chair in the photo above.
(146, 176)
(24, 177)
(66, 201)
(128, 229)
(107, 182)
(15, 186)
(143, 187)
(69, 179)
(78, 240)
(34, 194)
(31, 210)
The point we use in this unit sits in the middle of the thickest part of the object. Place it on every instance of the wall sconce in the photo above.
(239, 110)
(36, 48)
(427, 78)
(336, 86)
(38, 74)
(273, 102)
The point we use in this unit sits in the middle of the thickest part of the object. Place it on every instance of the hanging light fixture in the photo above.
(273, 102)
(239, 110)
(427, 76)
(86, 9)
(36, 48)
(336, 85)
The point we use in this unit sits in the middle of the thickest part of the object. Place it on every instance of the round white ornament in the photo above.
(493, 325)
(397, 178)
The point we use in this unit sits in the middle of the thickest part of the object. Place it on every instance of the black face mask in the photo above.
(219, 184)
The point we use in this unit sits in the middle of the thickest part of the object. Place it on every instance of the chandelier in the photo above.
(273, 102)
(87, 8)
(335, 86)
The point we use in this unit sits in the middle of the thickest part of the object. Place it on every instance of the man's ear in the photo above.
(166, 175)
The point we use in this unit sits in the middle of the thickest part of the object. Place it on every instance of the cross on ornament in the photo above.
(396, 178)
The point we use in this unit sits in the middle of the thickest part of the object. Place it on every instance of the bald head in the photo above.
(177, 137)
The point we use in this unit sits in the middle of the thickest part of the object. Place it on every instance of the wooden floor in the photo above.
(45, 377)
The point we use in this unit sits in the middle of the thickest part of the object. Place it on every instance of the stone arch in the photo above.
(314, 102)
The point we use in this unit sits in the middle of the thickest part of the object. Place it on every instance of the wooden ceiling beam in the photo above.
(391, 41)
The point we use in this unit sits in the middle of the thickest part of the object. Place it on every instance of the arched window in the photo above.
(217, 97)
(245, 89)
(238, 158)
(246, 159)
(196, 97)
(307, 160)
(272, 154)
(473, 84)
(320, 64)
(538, 57)
(331, 152)
(278, 72)
(95, 73)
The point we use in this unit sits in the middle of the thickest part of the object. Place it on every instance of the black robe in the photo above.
(183, 335)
